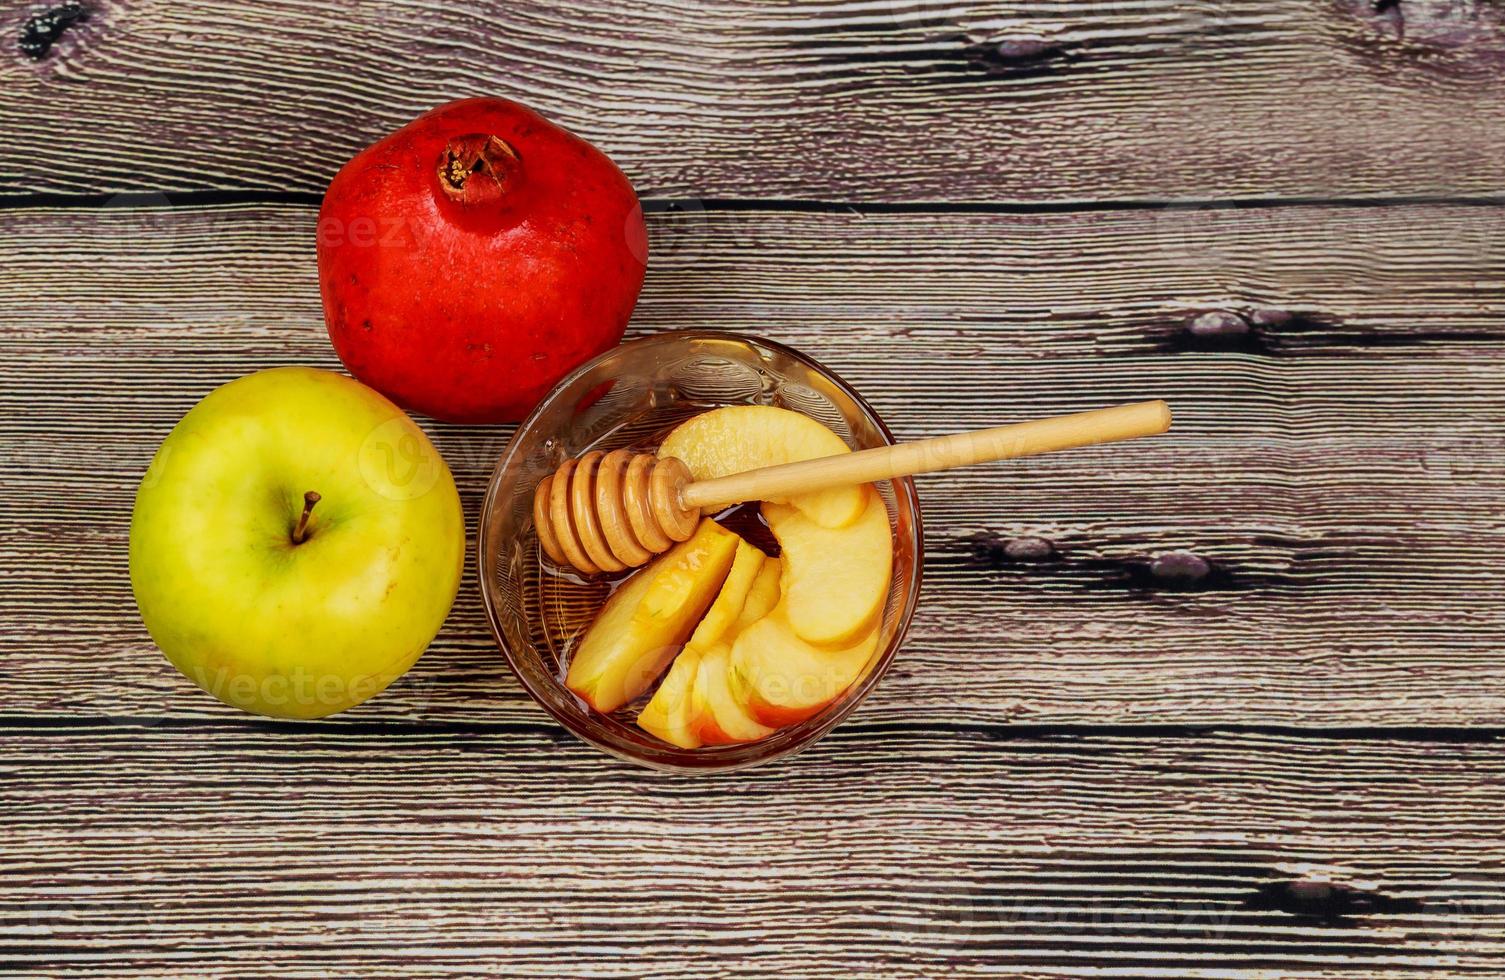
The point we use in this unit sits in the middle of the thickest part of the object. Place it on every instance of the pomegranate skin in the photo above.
(474, 257)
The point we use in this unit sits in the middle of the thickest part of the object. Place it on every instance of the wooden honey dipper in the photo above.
(606, 512)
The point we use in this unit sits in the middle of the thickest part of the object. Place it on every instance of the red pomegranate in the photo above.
(471, 259)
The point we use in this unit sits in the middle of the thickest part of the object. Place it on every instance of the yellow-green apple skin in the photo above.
(277, 626)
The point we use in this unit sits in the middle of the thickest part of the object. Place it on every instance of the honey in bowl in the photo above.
(753, 621)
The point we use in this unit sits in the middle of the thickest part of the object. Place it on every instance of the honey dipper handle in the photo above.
(940, 453)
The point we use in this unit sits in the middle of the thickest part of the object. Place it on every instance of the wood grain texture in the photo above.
(238, 848)
(1315, 544)
(889, 100)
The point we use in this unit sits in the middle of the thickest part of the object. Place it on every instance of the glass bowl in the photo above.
(631, 396)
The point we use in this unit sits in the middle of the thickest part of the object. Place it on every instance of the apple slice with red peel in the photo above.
(835, 581)
(670, 714)
(643, 624)
(782, 680)
(738, 438)
(720, 718)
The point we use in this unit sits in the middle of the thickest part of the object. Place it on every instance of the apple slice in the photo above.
(782, 680)
(670, 715)
(835, 580)
(763, 596)
(745, 437)
(643, 624)
(719, 717)
(722, 616)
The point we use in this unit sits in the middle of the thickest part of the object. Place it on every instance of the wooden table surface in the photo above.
(1223, 704)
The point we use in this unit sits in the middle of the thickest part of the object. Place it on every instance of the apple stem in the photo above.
(301, 531)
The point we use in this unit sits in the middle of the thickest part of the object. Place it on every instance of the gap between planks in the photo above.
(157, 200)
(854, 731)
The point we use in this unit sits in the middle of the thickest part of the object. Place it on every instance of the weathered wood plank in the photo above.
(237, 847)
(884, 100)
(1341, 473)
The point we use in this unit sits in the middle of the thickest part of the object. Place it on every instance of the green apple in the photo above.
(296, 543)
